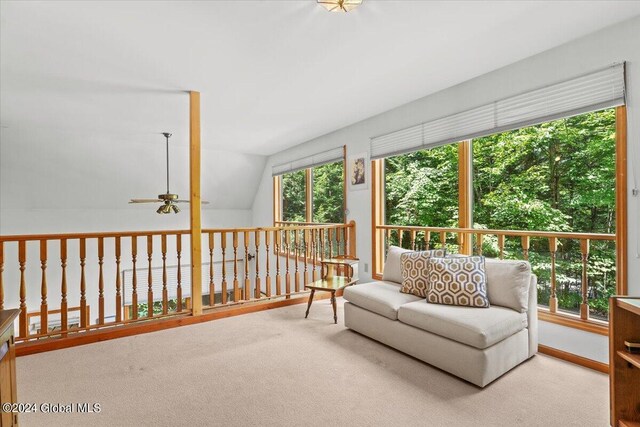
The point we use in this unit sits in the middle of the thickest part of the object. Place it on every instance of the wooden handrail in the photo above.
(557, 234)
(395, 233)
(91, 271)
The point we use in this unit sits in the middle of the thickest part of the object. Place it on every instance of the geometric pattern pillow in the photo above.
(458, 281)
(415, 278)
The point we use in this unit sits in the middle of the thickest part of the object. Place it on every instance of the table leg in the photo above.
(333, 303)
(313, 291)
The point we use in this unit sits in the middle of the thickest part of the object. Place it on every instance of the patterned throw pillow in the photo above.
(415, 265)
(458, 281)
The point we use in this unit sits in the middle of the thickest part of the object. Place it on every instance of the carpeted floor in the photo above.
(275, 368)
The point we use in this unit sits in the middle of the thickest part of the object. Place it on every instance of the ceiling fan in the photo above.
(169, 200)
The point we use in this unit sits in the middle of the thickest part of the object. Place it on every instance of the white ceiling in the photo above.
(272, 73)
(86, 88)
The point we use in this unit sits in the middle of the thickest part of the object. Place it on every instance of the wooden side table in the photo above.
(330, 282)
(8, 366)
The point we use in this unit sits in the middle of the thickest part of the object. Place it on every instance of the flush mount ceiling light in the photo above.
(169, 200)
(340, 5)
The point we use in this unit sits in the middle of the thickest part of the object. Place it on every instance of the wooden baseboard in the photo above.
(574, 358)
(144, 327)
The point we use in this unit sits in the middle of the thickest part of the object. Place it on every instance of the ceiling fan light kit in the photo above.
(339, 5)
(168, 199)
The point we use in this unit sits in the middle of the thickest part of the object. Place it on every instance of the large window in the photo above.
(313, 195)
(558, 176)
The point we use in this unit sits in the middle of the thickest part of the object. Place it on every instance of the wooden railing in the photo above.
(45, 275)
(468, 240)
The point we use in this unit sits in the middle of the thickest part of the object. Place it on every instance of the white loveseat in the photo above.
(476, 344)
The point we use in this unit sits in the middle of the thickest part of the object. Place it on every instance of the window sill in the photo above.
(592, 326)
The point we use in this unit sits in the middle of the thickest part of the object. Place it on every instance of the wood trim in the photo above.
(277, 199)
(593, 326)
(108, 234)
(195, 203)
(308, 189)
(155, 325)
(574, 358)
(377, 217)
(511, 233)
(344, 183)
(621, 200)
(465, 193)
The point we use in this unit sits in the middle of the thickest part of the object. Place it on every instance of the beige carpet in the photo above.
(276, 368)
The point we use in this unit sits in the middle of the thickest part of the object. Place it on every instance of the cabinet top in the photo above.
(6, 318)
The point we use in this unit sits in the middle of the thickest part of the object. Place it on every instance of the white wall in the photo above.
(588, 53)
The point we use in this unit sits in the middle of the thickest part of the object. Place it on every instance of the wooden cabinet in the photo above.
(624, 367)
(7, 366)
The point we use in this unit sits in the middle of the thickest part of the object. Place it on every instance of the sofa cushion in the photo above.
(383, 298)
(467, 325)
(508, 283)
(458, 281)
(415, 274)
(392, 271)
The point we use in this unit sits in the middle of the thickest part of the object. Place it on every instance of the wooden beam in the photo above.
(621, 200)
(196, 206)
(308, 186)
(277, 199)
(377, 217)
(344, 184)
(465, 191)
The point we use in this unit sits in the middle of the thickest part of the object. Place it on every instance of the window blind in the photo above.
(601, 89)
(318, 159)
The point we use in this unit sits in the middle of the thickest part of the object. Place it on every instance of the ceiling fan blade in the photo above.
(145, 201)
(204, 202)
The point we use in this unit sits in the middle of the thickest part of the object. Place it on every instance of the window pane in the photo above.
(556, 176)
(421, 188)
(328, 193)
(293, 196)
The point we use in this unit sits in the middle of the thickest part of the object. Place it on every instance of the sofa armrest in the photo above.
(532, 315)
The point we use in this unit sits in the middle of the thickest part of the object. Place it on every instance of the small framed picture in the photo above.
(357, 166)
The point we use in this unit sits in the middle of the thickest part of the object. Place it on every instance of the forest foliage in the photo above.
(556, 176)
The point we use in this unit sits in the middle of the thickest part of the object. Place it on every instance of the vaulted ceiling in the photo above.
(105, 78)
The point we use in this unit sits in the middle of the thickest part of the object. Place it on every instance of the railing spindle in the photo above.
(212, 291)
(314, 254)
(400, 237)
(22, 259)
(258, 288)
(44, 310)
(100, 281)
(83, 284)
(526, 243)
(165, 292)
(277, 242)
(150, 276)
(553, 299)
(134, 278)
(267, 238)
(443, 239)
(584, 305)
(307, 245)
(118, 281)
(236, 284)
(296, 250)
(427, 240)
(479, 241)
(413, 240)
(501, 245)
(179, 273)
(64, 324)
(246, 295)
(287, 243)
(223, 247)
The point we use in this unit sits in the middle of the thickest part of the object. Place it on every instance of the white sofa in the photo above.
(476, 344)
